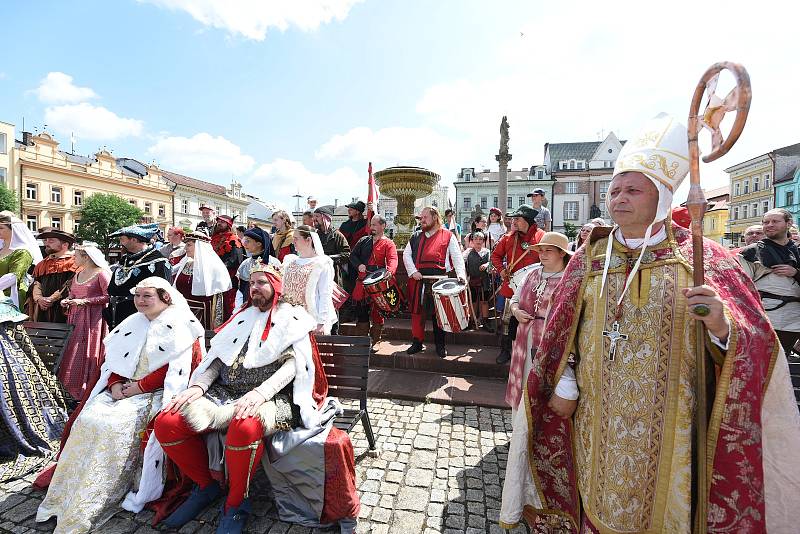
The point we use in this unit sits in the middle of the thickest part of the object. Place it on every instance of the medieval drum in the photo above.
(451, 302)
(519, 276)
(382, 289)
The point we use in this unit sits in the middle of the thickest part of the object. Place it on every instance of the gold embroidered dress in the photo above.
(100, 460)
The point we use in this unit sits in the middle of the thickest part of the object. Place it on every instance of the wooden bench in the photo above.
(346, 363)
(50, 340)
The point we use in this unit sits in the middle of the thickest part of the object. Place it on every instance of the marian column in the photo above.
(503, 158)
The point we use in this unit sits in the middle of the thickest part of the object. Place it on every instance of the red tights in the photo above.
(244, 447)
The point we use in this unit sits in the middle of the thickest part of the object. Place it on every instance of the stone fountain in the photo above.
(405, 185)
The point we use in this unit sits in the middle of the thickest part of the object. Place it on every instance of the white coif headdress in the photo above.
(661, 152)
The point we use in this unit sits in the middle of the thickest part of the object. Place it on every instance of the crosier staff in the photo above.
(737, 100)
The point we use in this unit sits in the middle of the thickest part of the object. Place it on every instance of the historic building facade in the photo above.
(6, 153)
(787, 193)
(191, 194)
(752, 191)
(478, 190)
(53, 185)
(581, 173)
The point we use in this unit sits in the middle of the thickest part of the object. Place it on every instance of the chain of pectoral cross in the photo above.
(614, 335)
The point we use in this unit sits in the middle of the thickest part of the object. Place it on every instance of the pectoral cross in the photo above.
(614, 335)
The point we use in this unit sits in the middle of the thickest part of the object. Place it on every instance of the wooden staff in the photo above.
(737, 100)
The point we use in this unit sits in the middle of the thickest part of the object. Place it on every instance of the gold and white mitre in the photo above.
(660, 151)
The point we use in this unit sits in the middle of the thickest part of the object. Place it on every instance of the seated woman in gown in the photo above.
(33, 409)
(149, 357)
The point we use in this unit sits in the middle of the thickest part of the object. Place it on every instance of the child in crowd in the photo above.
(476, 260)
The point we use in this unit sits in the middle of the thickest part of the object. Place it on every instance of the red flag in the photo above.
(372, 195)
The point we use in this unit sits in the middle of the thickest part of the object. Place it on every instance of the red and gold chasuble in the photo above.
(623, 463)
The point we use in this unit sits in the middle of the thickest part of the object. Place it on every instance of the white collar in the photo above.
(633, 244)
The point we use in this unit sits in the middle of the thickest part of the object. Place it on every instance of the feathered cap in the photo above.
(143, 232)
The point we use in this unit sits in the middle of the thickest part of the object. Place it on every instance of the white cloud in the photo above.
(91, 122)
(57, 88)
(202, 154)
(568, 78)
(279, 180)
(385, 147)
(253, 18)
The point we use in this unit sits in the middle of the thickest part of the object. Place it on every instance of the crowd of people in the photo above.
(137, 412)
(599, 334)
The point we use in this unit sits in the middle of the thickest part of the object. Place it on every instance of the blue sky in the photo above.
(301, 95)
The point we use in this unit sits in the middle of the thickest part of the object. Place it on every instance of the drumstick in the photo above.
(434, 276)
(471, 309)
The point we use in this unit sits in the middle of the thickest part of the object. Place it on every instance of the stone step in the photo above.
(400, 329)
(438, 388)
(462, 359)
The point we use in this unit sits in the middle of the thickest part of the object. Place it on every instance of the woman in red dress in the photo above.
(88, 295)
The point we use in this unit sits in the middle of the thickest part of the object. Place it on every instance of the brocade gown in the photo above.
(33, 409)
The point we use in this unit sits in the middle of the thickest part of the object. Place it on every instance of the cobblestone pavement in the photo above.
(440, 469)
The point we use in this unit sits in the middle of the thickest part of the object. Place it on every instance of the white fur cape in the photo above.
(168, 340)
(291, 327)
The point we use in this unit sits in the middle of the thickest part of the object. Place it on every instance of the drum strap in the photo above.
(516, 261)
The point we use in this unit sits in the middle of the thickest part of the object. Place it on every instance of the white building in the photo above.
(438, 199)
(581, 173)
(479, 189)
(191, 194)
(6, 151)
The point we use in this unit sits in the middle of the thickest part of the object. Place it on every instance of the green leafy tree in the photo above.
(103, 214)
(8, 200)
(570, 230)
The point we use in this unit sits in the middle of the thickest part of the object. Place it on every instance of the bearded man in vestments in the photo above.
(230, 250)
(604, 434)
(52, 276)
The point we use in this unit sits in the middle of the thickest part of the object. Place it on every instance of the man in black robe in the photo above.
(140, 260)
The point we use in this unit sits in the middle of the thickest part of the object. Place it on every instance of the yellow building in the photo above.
(716, 218)
(53, 185)
(751, 195)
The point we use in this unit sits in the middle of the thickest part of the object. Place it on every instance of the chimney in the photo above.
(26, 138)
(335, 203)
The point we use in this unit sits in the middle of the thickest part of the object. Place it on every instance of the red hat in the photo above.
(681, 217)
(206, 208)
(226, 219)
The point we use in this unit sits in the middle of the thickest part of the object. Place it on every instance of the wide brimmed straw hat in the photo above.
(554, 239)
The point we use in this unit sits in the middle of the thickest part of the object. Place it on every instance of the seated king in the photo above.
(258, 377)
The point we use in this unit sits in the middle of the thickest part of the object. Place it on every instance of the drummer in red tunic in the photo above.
(512, 253)
(372, 252)
(432, 251)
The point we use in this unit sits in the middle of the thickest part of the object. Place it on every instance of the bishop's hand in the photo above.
(562, 407)
(715, 318)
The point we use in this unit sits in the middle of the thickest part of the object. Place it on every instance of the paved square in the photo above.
(440, 469)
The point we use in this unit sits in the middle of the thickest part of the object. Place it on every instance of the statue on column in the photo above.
(504, 136)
